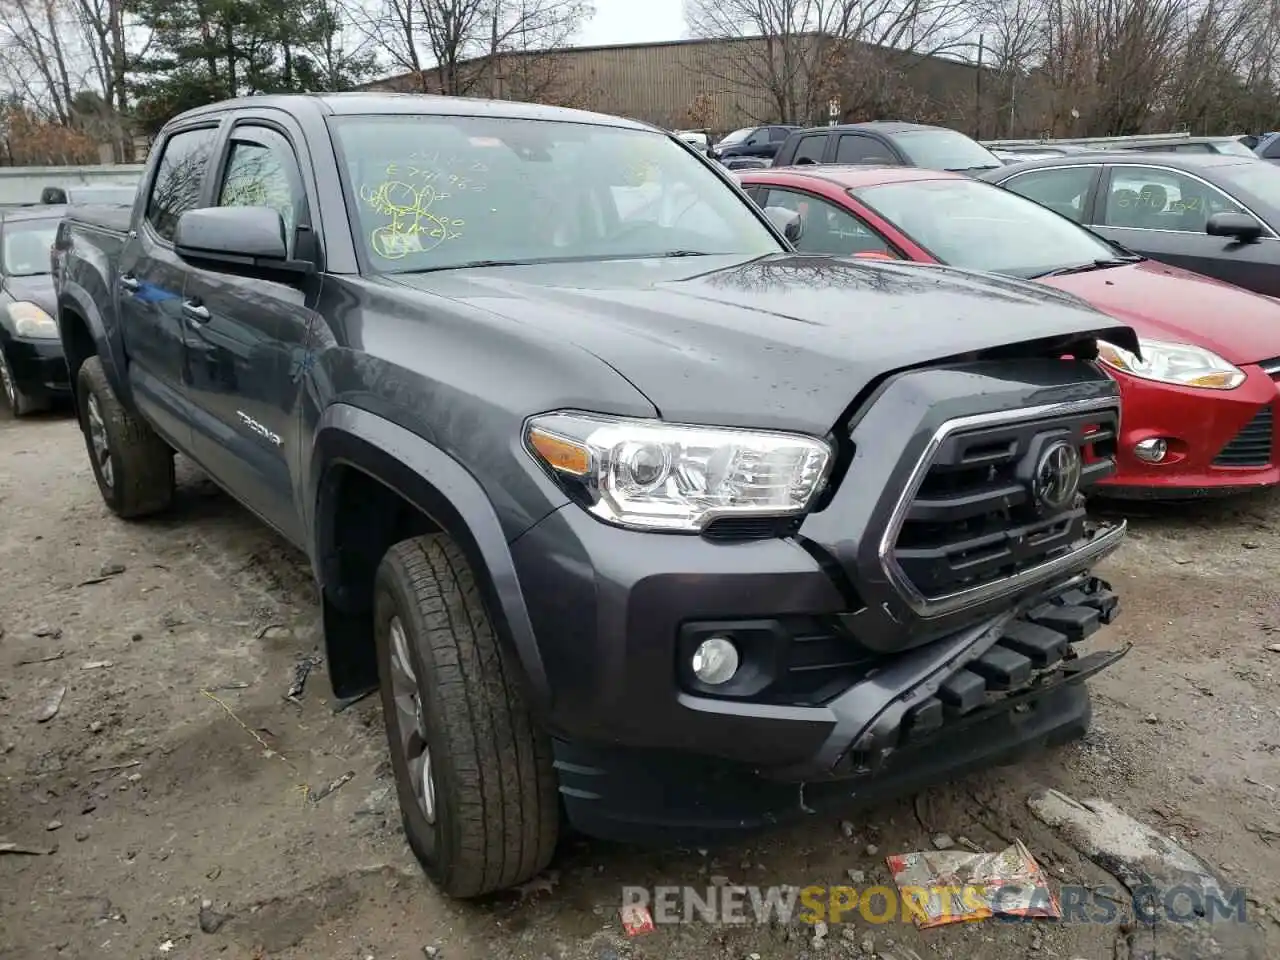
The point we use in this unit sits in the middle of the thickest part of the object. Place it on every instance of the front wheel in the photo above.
(20, 402)
(133, 466)
(473, 773)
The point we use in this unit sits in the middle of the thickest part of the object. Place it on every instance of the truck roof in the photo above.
(415, 104)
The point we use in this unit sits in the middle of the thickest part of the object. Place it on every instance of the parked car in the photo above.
(1268, 147)
(33, 372)
(745, 163)
(760, 142)
(1216, 215)
(695, 138)
(1040, 151)
(885, 143)
(1224, 146)
(578, 484)
(1198, 401)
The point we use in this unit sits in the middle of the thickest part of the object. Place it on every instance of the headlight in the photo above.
(1179, 363)
(650, 475)
(30, 321)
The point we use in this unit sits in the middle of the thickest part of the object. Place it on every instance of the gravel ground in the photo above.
(169, 794)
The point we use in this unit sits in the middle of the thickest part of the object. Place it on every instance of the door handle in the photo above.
(129, 282)
(196, 311)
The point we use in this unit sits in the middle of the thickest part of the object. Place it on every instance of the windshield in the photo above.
(439, 192)
(738, 135)
(978, 226)
(1260, 180)
(26, 247)
(944, 150)
(1234, 148)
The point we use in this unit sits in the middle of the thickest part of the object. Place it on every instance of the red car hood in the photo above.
(1166, 303)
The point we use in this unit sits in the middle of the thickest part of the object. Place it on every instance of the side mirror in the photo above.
(243, 240)
(1238, 226)
(788, 221)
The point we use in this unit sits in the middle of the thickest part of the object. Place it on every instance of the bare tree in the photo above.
(35, 36)
(792, 55)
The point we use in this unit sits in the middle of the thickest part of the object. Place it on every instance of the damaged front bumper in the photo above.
(990, 695)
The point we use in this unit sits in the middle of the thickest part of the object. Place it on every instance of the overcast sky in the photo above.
(633, 21)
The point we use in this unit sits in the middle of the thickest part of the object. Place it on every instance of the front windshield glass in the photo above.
(1259, 179)
(439, 192)
(26, 247)
(944, 150)
(738, 136)
(1234, 148)
(978, 226)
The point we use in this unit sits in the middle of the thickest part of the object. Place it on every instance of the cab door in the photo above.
(246, 338)
(150, 278)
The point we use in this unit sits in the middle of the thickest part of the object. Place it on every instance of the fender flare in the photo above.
(75, 299)
(445, 491)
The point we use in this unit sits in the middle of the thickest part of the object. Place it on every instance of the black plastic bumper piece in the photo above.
(39, 367)
(638, 797)
(1015, 688)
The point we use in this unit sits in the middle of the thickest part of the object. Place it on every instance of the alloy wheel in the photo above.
(98, 438)
(10, 389)
(410, 722)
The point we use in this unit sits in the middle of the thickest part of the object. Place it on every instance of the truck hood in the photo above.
(1167, 303)
(37, 290)
(786, 341)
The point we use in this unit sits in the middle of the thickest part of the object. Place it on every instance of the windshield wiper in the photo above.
(1102, 263)
(534, 261)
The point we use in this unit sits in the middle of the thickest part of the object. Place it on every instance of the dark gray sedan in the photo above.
(1217, 215)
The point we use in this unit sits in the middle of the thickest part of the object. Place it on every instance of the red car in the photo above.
(1199, 405)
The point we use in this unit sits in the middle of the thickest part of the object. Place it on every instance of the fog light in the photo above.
(1152, 451)
(715, 661)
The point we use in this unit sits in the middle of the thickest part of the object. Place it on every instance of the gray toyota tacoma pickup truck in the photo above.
(640, 520)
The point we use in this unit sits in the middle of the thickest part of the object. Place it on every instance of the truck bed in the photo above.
(108, 217)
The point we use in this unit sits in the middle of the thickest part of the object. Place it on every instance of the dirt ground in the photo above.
(171, 786)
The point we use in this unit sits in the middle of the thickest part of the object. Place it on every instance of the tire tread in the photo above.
(143, 463)
(508, 809)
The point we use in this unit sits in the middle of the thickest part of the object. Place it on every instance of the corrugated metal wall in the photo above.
(658, 83)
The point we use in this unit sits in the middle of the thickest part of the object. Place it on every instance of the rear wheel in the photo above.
(133, 466)
(473, 773)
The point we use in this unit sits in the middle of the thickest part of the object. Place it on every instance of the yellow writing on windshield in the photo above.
(416, 222)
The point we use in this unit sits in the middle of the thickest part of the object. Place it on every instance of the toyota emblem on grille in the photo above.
(1057, 477)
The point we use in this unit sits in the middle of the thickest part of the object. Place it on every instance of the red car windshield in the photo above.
(978, 226)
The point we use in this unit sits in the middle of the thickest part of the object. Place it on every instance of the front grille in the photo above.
(1251, 447)
(973, 520)
(1271, 367)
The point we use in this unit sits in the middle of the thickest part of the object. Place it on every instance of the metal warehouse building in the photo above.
(700, 83)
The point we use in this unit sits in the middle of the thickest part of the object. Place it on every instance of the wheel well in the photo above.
(77, 341)
(360, 519)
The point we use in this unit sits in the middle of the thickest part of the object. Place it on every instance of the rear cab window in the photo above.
(179, 178)
(810, 149)
(1064, 190)
(858, 148)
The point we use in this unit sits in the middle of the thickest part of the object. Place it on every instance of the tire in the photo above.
(20, 402)
(135, 473)
(496, 804)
